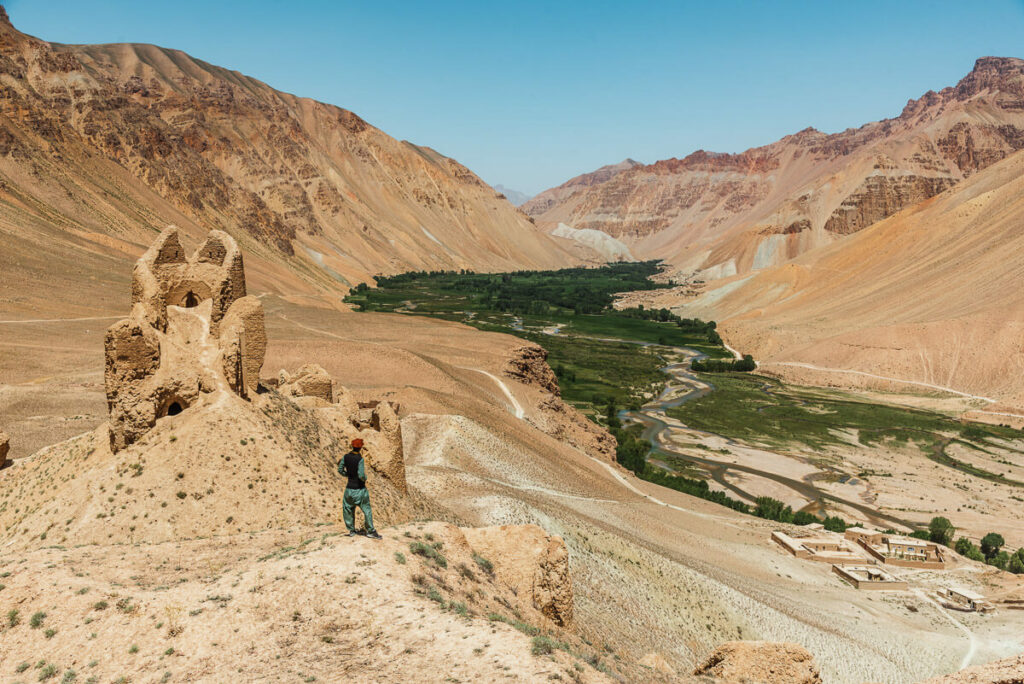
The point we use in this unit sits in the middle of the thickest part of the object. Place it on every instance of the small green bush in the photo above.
(485, 565)
(429, 552)
(545, 645)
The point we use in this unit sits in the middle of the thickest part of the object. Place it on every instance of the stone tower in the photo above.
(192, 331)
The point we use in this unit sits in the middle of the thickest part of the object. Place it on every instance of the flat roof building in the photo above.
(826, 549)
(966, 599)
(869, 577)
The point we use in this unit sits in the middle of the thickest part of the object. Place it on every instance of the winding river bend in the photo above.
(661, 430)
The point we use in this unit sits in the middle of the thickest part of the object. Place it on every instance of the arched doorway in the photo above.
(191, 300)
(174, 409)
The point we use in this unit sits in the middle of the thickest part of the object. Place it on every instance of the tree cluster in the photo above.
(744, 365)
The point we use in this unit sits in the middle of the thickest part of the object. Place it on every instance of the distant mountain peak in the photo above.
(514, 196)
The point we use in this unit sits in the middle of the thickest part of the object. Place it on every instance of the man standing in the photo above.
(352, 466)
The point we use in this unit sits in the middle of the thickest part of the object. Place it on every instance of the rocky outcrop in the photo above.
(565, 423)
(5, 447)
(1005, 671)
(881, 196)
(192, 331)
(974, 147)
(530, 561)
(310, 381)
(529, 365)
(764, 662)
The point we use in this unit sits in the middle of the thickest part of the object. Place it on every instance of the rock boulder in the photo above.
(532, 562)
(765, 662)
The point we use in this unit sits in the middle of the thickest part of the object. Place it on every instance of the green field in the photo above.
(596, 354)
(761, 410)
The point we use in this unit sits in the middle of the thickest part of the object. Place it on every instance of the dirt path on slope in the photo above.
(928, 385)
(972, 641)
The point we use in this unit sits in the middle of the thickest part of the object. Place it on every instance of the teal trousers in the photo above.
(353, 498)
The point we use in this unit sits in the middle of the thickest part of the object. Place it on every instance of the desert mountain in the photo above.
(102, 146)
(930, 295)
(539, 204)
(723, 214)
(514, 196)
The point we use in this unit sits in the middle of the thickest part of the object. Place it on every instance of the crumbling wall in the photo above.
(191, 331)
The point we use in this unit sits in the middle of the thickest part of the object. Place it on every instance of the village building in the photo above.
(855, 534)
(965, 599)
(906, 552)
(869, 577)
(823, 547)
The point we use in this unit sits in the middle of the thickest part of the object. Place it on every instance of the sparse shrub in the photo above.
(49, 633)
(134, 648)
(69, 676)
(21, 668)
(545, 645)
(429, 552)
(459, 608)
(485, 565)
(181, 495)
(466, 572)
(48, 671)
(13, 617)
(435, 595)
(400, 557)
(524, 627)
(100, 605)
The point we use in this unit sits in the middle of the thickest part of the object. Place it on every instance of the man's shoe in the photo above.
(373, 535)
(351, 533)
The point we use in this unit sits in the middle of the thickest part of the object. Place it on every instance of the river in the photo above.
(661, 430)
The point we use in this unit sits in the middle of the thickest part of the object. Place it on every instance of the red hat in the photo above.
(357, 443)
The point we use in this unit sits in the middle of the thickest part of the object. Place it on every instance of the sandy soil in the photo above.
(306, 604)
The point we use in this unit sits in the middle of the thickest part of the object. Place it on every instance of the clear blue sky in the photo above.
(528, 93)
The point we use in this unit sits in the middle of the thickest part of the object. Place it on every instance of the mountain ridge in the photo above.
(102, 146)
(716, 214)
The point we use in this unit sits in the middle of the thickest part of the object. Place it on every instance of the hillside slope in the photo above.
(102, 146)
(716, 215)
(930, 295)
